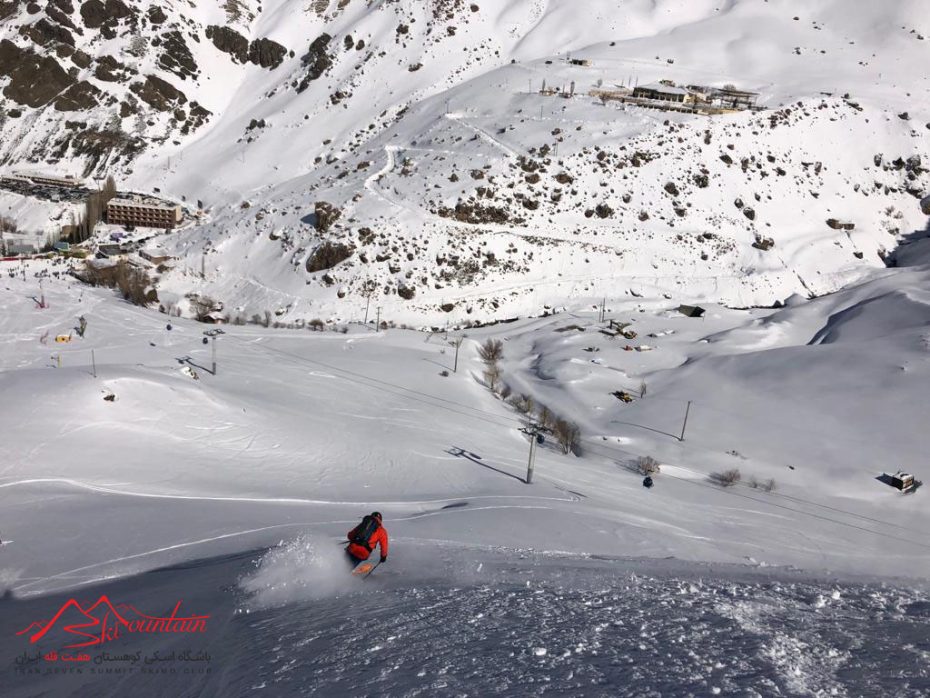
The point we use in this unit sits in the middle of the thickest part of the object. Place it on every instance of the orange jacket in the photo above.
(379, 537)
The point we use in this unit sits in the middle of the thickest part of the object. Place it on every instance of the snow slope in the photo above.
(389, 111)
(265, 465)
(134, 469)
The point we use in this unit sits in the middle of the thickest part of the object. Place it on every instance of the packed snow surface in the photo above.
(125, 454)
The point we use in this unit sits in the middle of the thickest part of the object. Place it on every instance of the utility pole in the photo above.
(367, 305)
(378, 326)
(93, 361)
(684, 426)
(457, 342)
(203, 265)
(213, 334)
(535, 432)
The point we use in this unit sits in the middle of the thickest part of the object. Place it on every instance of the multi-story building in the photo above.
(67, 181)
(145, 213)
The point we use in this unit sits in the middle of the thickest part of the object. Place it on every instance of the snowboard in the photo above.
(364, 568)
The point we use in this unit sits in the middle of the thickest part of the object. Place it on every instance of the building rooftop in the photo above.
(144, 201)
(41, 175)
(733, 92)
(664, 89)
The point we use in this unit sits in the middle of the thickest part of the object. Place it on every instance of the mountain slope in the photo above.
(464, 194)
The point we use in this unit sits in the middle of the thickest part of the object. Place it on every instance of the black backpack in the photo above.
(364, 531)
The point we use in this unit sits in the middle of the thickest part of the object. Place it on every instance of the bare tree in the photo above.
(647, 465)
(491, 351)
(492, 374)
(108, 191)
(522, 403)
(727, 478)
(567, 434)
(202, 306)
(546, 418)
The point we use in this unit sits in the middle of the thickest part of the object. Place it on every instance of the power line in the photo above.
(392, 388)
(498, 420)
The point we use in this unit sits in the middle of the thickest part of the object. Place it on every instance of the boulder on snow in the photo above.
(328, 255)
(840, 225)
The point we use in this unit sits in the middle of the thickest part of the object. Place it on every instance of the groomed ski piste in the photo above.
(231, 493)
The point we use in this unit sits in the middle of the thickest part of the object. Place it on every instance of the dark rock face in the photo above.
(34, 80)
(44, 33)
(263, 52)
(229, 41)
(80, 59)
(105, 16)
(176, 57)
(158, 94)
(45, 65)
(328, 255)
(81, 95)
(266, 53)
(110, 70)
(157, 15)
(317, 61)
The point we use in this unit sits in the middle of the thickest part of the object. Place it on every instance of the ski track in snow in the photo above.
(531, 626)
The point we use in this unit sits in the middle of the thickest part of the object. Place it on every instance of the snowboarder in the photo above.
(82, 327)
(364, 537)
(647, 482)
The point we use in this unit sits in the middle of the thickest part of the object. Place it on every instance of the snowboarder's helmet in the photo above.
(376, 515)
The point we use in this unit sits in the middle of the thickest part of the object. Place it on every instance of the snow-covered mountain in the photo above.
(457, 191)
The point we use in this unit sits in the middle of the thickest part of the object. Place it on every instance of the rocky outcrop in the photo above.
(316, 60)
(34, 80)
(325, 214)
(229, 41)
(328, 255)
(105, 16)
(266, 53)
(109, 69)
(262, 52)
(158, 94)
(81, 95)
(176, 57)
(44, 33)
(840, 225)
